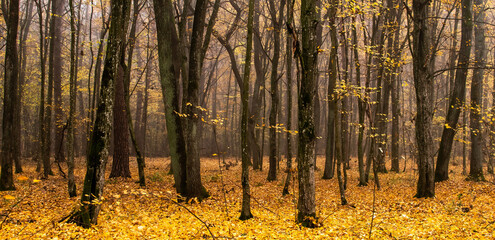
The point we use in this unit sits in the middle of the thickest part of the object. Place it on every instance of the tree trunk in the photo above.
(73, 91)
(56, 67)
(94, 180)
(169, 78)
(246, 195)
(288, 53)
(194, 186)
(11, 75)
(306, 157)
(457, 97)
(476, 161)
(423, 81)
(328, 172)
(276, 24)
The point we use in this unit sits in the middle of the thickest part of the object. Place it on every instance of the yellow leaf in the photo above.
(22, 178)
(9, 197)
(36, 181)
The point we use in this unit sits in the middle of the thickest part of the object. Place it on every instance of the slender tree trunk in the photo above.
(423, 81)
(331, 95)
(276, 24)
(257, 92)
(10, 95)
(41, 112)
(73, 91)
(288, 53)
(246, 197)
(306, 157)
(56, 66)
(458, 95)
(94, 180)
(476, 161)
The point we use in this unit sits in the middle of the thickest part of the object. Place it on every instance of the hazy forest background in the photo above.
(247, 119)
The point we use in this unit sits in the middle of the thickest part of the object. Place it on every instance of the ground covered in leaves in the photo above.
(461, 209)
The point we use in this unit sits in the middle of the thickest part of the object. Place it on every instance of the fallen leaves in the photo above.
(131, 212)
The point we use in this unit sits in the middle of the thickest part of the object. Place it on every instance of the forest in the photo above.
(250, 119)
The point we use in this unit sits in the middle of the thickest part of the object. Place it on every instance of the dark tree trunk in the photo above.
(120, 164)
(194, 186)
(306, 157)
(255, 110)
(11, 75)
(276, 24)
(423, 81)
(476, 161)
(458, 95)
(94, 180)
(246, 195)
(396, 87)
(56, 67)
(288, 52)
(73, 91)
(331, 95)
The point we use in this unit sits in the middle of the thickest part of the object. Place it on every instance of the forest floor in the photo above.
(461, 209)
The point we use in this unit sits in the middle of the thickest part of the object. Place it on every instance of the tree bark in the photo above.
(56, 67)
(331, 95)
(169, 78)
(476, 161)
(423, 81)
(458, 95)
(246, 195)
(94, 180)
(11, 75)
(306, 156)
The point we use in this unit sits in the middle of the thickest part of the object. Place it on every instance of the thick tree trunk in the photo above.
(11, 75)
(194, 186)
(458, 95)
(423, 81)
(169, 78)
(306, 156)
(476, 161)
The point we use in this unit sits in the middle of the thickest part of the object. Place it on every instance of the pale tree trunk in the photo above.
(476, 161)
(11, 74)
(424, 84)
(246, 195)
(306, 157)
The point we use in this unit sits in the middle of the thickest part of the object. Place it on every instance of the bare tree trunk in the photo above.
(56, 66)
(331, 95)
(423, 81)
(288, 53)
(306, 156)
(476, 161)
(169, 78)
(246, 195)
(73, 91)
(94, 180)
(11, 17)
(458, 95)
